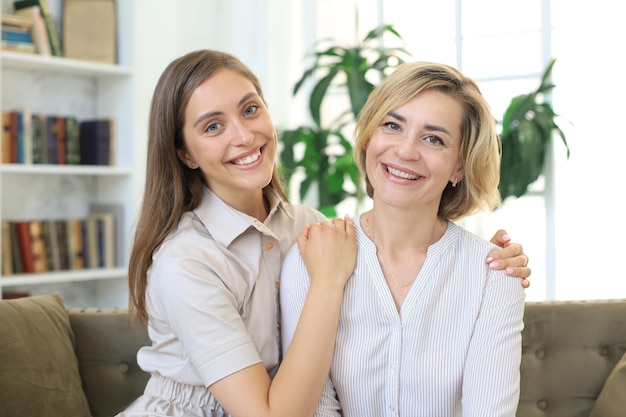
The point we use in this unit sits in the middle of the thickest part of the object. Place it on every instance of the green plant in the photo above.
(326, 161)
(527, 129)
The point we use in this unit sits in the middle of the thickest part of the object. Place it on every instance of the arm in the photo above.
(329, 251)
(293, 291)
(491, 376)
(511, 258)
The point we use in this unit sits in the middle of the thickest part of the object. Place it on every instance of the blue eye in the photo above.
(212, 127)
(250, 110)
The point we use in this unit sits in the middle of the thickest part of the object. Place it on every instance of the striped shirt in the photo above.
(453, 349)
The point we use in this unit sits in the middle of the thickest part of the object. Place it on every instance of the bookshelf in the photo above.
(86, 90)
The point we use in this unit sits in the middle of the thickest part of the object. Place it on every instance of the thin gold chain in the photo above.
(380, 256)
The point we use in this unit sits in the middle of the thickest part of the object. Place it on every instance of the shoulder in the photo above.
(471, 241)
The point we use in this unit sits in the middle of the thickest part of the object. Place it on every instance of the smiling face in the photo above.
(414, 152)
(229, 136)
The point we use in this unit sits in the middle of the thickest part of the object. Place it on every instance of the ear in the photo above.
(457, 177)
(186, 159)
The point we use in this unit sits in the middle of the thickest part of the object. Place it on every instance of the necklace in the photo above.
(380, 257)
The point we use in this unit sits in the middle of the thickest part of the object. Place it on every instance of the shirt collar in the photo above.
(225, 223)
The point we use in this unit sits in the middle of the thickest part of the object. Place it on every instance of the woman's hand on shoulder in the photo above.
(329, 251)
(511, 258)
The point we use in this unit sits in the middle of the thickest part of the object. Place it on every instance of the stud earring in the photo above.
(192, 165)
(454, 182)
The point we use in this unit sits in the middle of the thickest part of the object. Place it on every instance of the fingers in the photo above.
(501, 238)
(333, 242)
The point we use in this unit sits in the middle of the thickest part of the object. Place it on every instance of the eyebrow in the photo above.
(402, 119)
(215, 113)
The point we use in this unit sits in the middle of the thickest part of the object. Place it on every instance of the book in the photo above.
(39, 146)
(53, 36)
(16, 250)
(61, 140)
(95, 138)
(23, 47)
(23, 237)
(6, 137)
(39, 33)
(75, 246)
(7, 256)
(52, 245)
(16, 35)
(113, 215)
(104, 252)
(14, 138)
(61, 233)
(72, 141)
(52, 143)
(91, 243)
(89, 30)
(24, 136)
(38, 246)
(15, 21)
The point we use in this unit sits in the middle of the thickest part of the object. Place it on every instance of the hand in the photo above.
(511, 258)
(329, 251)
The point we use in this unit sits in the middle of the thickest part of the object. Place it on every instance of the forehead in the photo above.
(225, 87)
(432, 104)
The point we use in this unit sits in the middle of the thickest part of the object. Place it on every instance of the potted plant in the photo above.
(326, 162)
(527, 129)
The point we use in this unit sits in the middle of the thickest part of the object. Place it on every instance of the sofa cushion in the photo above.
(612, 399)
(38, 368)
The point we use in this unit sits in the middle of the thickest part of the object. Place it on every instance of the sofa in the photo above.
(572, 359)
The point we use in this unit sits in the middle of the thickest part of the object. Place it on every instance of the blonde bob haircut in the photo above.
(480, 145)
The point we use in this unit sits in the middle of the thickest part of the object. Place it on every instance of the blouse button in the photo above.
(269, 246)
(277, 285)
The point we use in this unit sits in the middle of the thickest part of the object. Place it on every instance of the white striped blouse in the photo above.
(453, 349)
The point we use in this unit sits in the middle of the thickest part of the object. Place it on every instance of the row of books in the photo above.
(33, 138)
(40, 246)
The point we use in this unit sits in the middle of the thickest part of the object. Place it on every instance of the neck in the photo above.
(397, 231)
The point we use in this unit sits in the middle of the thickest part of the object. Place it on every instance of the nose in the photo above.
(407, 148)
(242, 135)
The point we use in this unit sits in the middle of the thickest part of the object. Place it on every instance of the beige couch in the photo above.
(569, 350)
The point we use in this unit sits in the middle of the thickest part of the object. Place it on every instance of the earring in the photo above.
(454, 182)
(192, 165)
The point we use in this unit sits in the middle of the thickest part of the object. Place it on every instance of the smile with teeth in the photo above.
(248, 159)
(401, 174)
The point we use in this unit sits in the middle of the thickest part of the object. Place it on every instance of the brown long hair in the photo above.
(171, 187)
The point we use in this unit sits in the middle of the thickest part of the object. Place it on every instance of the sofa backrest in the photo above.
(106, 348)
(568, 350)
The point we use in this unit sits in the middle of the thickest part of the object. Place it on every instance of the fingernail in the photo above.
(494, 265)
(509, 271)
(506, 238)
(489, 259)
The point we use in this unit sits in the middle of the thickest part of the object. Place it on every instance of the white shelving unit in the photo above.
(85, 90)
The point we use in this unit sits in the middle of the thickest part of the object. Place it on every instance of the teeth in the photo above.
(401, 174)
(248, 159)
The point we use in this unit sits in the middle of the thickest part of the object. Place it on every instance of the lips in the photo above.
(248, 159)
(401, 174)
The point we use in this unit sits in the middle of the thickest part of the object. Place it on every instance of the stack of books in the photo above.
(17, 34)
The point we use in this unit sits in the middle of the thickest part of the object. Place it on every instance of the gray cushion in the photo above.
(612, 399)
(38, 368)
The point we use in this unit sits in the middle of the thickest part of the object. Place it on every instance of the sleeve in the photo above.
(194, 298)
(491, 378)
(294, 284)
